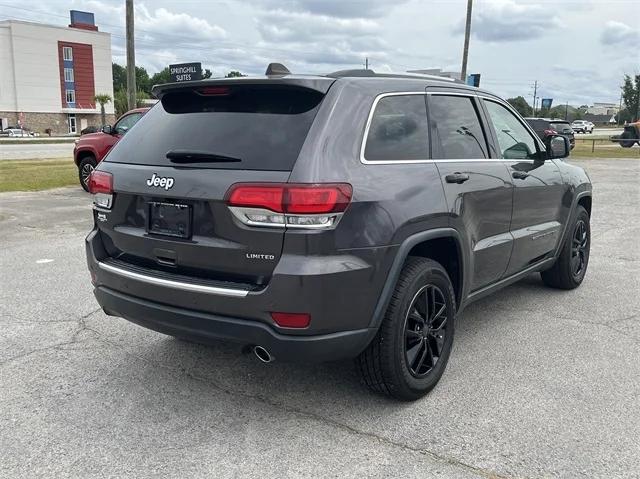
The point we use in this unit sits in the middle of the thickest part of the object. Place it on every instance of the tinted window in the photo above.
(456, 129)
(515, 141)
(398, 130)
(263, 127)
(561, 127)
(126, 123)
(538, 125)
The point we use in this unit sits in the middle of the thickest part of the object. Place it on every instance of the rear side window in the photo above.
(561, 127)
(398, 130)
(455, 128)
(245, 127)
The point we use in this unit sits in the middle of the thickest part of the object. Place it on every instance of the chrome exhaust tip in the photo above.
(262, 354)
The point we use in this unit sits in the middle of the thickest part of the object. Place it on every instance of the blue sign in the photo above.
(473, 79)
(546, 103)
(86, 18)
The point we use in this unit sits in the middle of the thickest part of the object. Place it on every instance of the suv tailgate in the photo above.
(171, 173)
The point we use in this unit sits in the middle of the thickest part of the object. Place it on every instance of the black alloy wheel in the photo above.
(425, 328)
(579, 248)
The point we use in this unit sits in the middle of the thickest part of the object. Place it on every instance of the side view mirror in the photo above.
(557, 147)
(108, 129)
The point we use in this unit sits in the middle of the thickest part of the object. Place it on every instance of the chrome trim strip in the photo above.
(193, 288)
(364, 161)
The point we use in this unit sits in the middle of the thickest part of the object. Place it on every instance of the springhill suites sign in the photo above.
(185, 72)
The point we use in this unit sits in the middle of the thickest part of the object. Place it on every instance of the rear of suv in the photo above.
(546, 128)
(582, 126)
(315, 218)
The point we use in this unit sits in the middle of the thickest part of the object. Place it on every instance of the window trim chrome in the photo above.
(497, 100)
(193, 288)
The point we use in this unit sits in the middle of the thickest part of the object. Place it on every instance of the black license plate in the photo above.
(170, 219)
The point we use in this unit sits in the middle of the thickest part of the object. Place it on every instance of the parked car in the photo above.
(314, 218)
(15, 132)
(90, 129)
(545, 128)
(91, 148)
(582, 126)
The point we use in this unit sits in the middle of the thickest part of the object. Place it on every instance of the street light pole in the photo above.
(465, 51)
(131, 57)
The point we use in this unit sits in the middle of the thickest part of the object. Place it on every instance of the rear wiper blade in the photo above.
(192, 156)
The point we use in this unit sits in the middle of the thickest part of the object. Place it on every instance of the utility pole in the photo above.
(366, 63)
(566, 110)
(535, 96)
(465, 51)
(131, 57)
(619, 110)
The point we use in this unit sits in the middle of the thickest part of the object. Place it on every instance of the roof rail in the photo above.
(371, 73)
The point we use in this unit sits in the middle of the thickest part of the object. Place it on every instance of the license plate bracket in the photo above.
(169, 219)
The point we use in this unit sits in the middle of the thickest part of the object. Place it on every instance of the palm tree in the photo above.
(102, 99)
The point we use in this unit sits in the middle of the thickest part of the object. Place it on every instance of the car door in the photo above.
(477, 188)
(538, 213)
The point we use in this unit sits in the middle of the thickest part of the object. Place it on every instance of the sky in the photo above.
(577, 50)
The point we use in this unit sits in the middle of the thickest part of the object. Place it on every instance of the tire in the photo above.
(85, 167)
(571, 266)
(391, 364)
(628, 142)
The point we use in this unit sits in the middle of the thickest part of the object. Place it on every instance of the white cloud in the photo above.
(508, 21)
(334, 8)
(620, 33)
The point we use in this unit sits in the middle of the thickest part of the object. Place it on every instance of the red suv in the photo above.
(90, 149)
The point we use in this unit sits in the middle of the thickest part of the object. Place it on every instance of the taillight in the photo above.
(101, 187)
(289, 204)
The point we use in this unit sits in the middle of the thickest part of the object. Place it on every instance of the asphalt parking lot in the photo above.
(541, 383)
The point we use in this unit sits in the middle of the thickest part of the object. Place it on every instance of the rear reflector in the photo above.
(100, 182)
(291, 320)
(298, 199)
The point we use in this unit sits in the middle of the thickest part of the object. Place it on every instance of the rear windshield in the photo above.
(247, 127)
(561, 127)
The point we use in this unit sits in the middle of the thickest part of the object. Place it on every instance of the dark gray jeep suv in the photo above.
(314, 218)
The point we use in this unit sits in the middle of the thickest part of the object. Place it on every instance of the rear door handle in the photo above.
(456, 178)
(520, 175)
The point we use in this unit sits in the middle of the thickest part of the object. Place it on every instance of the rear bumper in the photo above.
(339, 292)
(204, 327)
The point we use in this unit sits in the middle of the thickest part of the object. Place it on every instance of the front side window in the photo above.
(68, 74)
(71, 96)
(67, 53)
(514, 140)
(398, 130)
(127, 122)
(455, 128)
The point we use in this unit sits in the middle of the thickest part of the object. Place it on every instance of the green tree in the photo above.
(631, 95)
(102, 99)
(233, 74)
(521, 105)
(163, 76)
(121, 104)
(207, 74)
(119, 77)
(143, 82)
